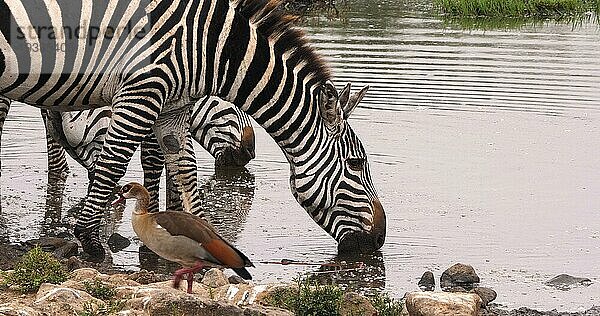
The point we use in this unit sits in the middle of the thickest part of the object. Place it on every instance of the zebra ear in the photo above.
(353, 101)
(330, 111)
(345, 95)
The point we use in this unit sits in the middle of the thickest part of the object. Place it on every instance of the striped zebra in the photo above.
(218, 126)
(151, 59)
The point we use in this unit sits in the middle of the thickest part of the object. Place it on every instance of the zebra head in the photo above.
(224, 131)
(332, 179)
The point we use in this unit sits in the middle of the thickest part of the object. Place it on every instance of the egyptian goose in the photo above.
(182, 237)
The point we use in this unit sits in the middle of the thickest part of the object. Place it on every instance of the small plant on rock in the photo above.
(100, 290)
(111, 309)
(385, 305)
(309, 299)
(36, 267)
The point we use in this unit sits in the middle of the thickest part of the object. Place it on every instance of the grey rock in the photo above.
(57, 300)
(462, 275)
(116, 242)
(353, 304)
(566, 282)
(455, 289)
(73, 263)
(487, 295)
(442, 303)
(214, 278)
(145, 277)
(60, 248)
(17, 309)
(427, 281)
(169, 303)
(236, 279)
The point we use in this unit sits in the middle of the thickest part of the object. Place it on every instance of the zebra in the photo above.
(151, 59)
(218, 126)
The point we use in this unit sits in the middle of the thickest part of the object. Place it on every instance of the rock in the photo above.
(566, 282)
(145, 277)
(119, 280)
(173, 302)
(245, 294)
(442, 303)
(117, 242)
(487, 295)
(214, 278)
(56, 300)
(236, 279)
(16, 309)
(355, 305)
(10, 254)
(274, 290)
(427, 282)
(73, 263)
(455, 289)
(60, 248)
(459, 275)
(84, 274)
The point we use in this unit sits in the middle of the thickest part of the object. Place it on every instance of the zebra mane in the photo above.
(273, 23)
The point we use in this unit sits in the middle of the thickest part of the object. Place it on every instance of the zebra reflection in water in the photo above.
(227, 198)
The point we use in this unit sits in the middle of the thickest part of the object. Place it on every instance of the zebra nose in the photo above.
(366, 241)
(379, 224)
(248, 144)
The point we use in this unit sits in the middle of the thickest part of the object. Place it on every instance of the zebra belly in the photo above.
(82, 128)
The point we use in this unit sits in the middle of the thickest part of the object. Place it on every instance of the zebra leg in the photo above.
(4, 107)
(121, 141)
(175, 141)
(58, 168)
(153, 162)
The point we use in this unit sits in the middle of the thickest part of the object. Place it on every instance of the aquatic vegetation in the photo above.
(100, 290)
(517, 8)
(310, 298)
(34, 268)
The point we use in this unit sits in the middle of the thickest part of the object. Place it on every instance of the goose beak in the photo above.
(120, 200)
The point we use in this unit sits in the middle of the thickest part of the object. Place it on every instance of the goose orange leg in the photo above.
(190, 276)
(190, 280)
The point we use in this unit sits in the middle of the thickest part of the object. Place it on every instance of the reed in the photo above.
(517, 8)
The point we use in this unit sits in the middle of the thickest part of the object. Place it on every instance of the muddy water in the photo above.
(484, 146)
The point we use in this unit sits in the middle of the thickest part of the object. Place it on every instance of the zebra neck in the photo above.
(272, 78)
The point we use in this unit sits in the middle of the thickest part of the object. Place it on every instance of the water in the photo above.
(483, 144)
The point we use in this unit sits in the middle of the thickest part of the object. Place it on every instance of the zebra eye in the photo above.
(355, 164)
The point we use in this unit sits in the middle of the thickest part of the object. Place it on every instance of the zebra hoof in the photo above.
(94, 252)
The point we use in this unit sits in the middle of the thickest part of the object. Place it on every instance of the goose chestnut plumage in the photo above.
(183, 238)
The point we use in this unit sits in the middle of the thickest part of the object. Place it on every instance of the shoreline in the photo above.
(10, 254)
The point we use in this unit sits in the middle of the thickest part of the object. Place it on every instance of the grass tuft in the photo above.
(112, 308)
(34, 268)
(385, 305)
(100, 290)
(310, 298)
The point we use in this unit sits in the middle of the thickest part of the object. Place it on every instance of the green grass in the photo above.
(309, 299)
(517, 8)
(100, 290)
(112, 308)
(312, 299)
(34, 268)
(385, 305)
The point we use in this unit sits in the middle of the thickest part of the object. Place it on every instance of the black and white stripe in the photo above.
(218, 126)
(244, 52)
